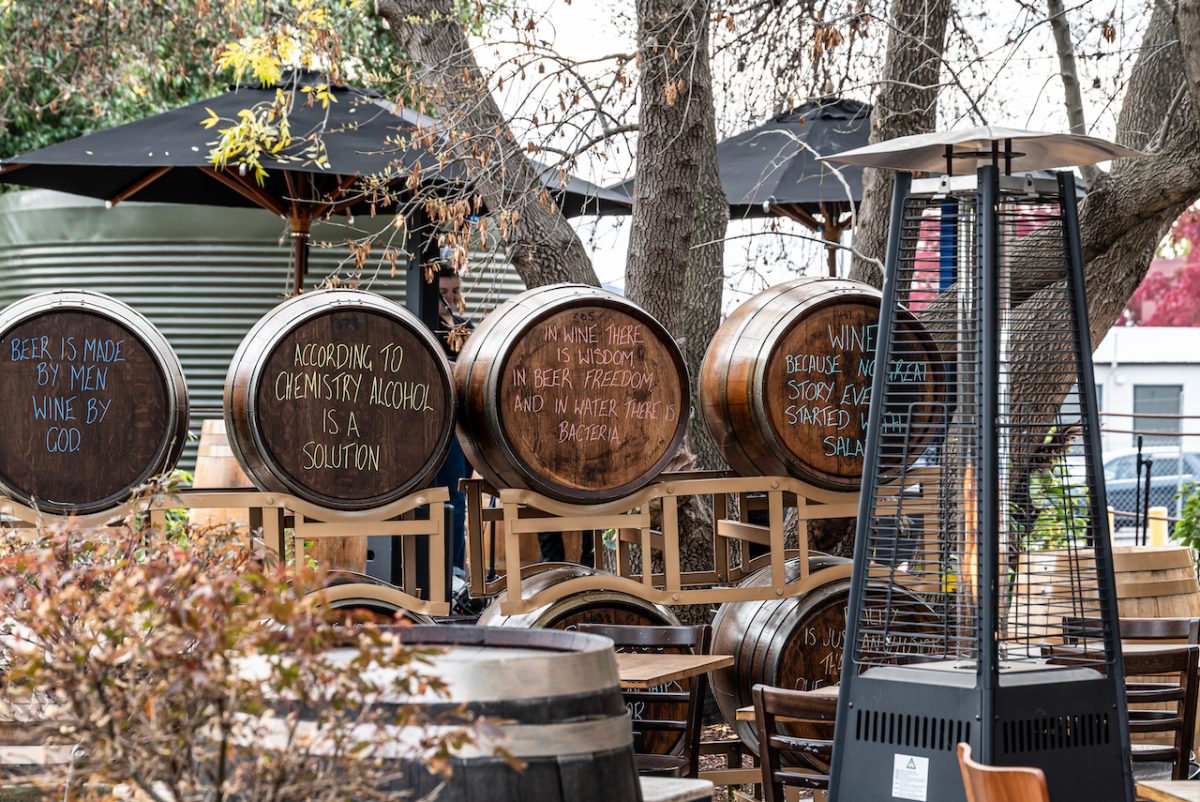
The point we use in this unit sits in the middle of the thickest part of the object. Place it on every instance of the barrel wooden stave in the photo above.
(523, 449)
(765, 426)
(95, 351)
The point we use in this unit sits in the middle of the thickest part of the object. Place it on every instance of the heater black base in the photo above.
(904, 723)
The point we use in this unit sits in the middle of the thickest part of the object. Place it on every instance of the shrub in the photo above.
(189, 669)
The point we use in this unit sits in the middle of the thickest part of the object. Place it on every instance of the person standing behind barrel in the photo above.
(453, 331)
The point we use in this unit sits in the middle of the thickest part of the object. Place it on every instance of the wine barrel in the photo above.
(1156, 582)
(793, 643)
(218, 469)
(786, 383)
(584, 607)
(342, 398)
(1151, 582)
(109, 402)
(556, 707)
(573, 392)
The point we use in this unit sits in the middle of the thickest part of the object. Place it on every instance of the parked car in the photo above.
(1171, 471)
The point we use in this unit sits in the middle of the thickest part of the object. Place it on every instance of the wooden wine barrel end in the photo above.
(218, 469)
(793, 643)
(585, 607)
(94, 402)
(785, 385)
(342, 398)
(573, 392)
(554, 703)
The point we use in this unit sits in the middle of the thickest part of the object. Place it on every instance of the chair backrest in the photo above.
(664, 710)
(1000, 783)
(770, 706)
(1177, 665)
(1184, 630)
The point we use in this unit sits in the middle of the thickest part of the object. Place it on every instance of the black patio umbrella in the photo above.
(165, 159)
(773, 168)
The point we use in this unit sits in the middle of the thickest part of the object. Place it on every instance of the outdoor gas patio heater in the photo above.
(1010, 551)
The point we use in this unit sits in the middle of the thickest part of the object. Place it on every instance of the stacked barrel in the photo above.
(341, 398)
(94, 402)
(578, 394)
(345, 400)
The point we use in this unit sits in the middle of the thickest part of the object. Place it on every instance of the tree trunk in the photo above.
(539, 242)
(672, 270)
(703, 288)
(905, 104)
(673, 122)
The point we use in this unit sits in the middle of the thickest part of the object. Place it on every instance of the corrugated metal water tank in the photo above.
(202, 274)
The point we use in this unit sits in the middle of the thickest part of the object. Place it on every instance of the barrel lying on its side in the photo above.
(585, 607)
(92, 402)
(795, 643)
(342, 398)
(786, 383)
(573, 392)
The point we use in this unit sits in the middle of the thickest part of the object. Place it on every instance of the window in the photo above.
(1157, 399)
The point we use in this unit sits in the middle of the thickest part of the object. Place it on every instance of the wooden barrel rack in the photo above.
(109, 402)
(585, 607)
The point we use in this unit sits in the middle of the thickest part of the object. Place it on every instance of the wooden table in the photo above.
(642, 671)
(672, 789)
(1169, 791)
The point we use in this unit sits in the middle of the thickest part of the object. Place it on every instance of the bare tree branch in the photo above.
(1070, 78)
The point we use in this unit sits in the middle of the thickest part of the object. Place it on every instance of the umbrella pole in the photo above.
(300, 227)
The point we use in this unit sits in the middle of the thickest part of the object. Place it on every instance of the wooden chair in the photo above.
(1000, 783)
(1184, 630)
(1179, 723)
(1177, 670)
(683, 758)
(771, 704)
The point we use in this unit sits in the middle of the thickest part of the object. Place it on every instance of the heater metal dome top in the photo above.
(959, 150)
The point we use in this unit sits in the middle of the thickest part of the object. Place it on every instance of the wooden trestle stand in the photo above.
(526, 514)
(277, 516)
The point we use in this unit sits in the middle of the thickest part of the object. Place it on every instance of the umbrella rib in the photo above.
(798, 214)
(138, 186)
(327, 204)
(247, 191)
